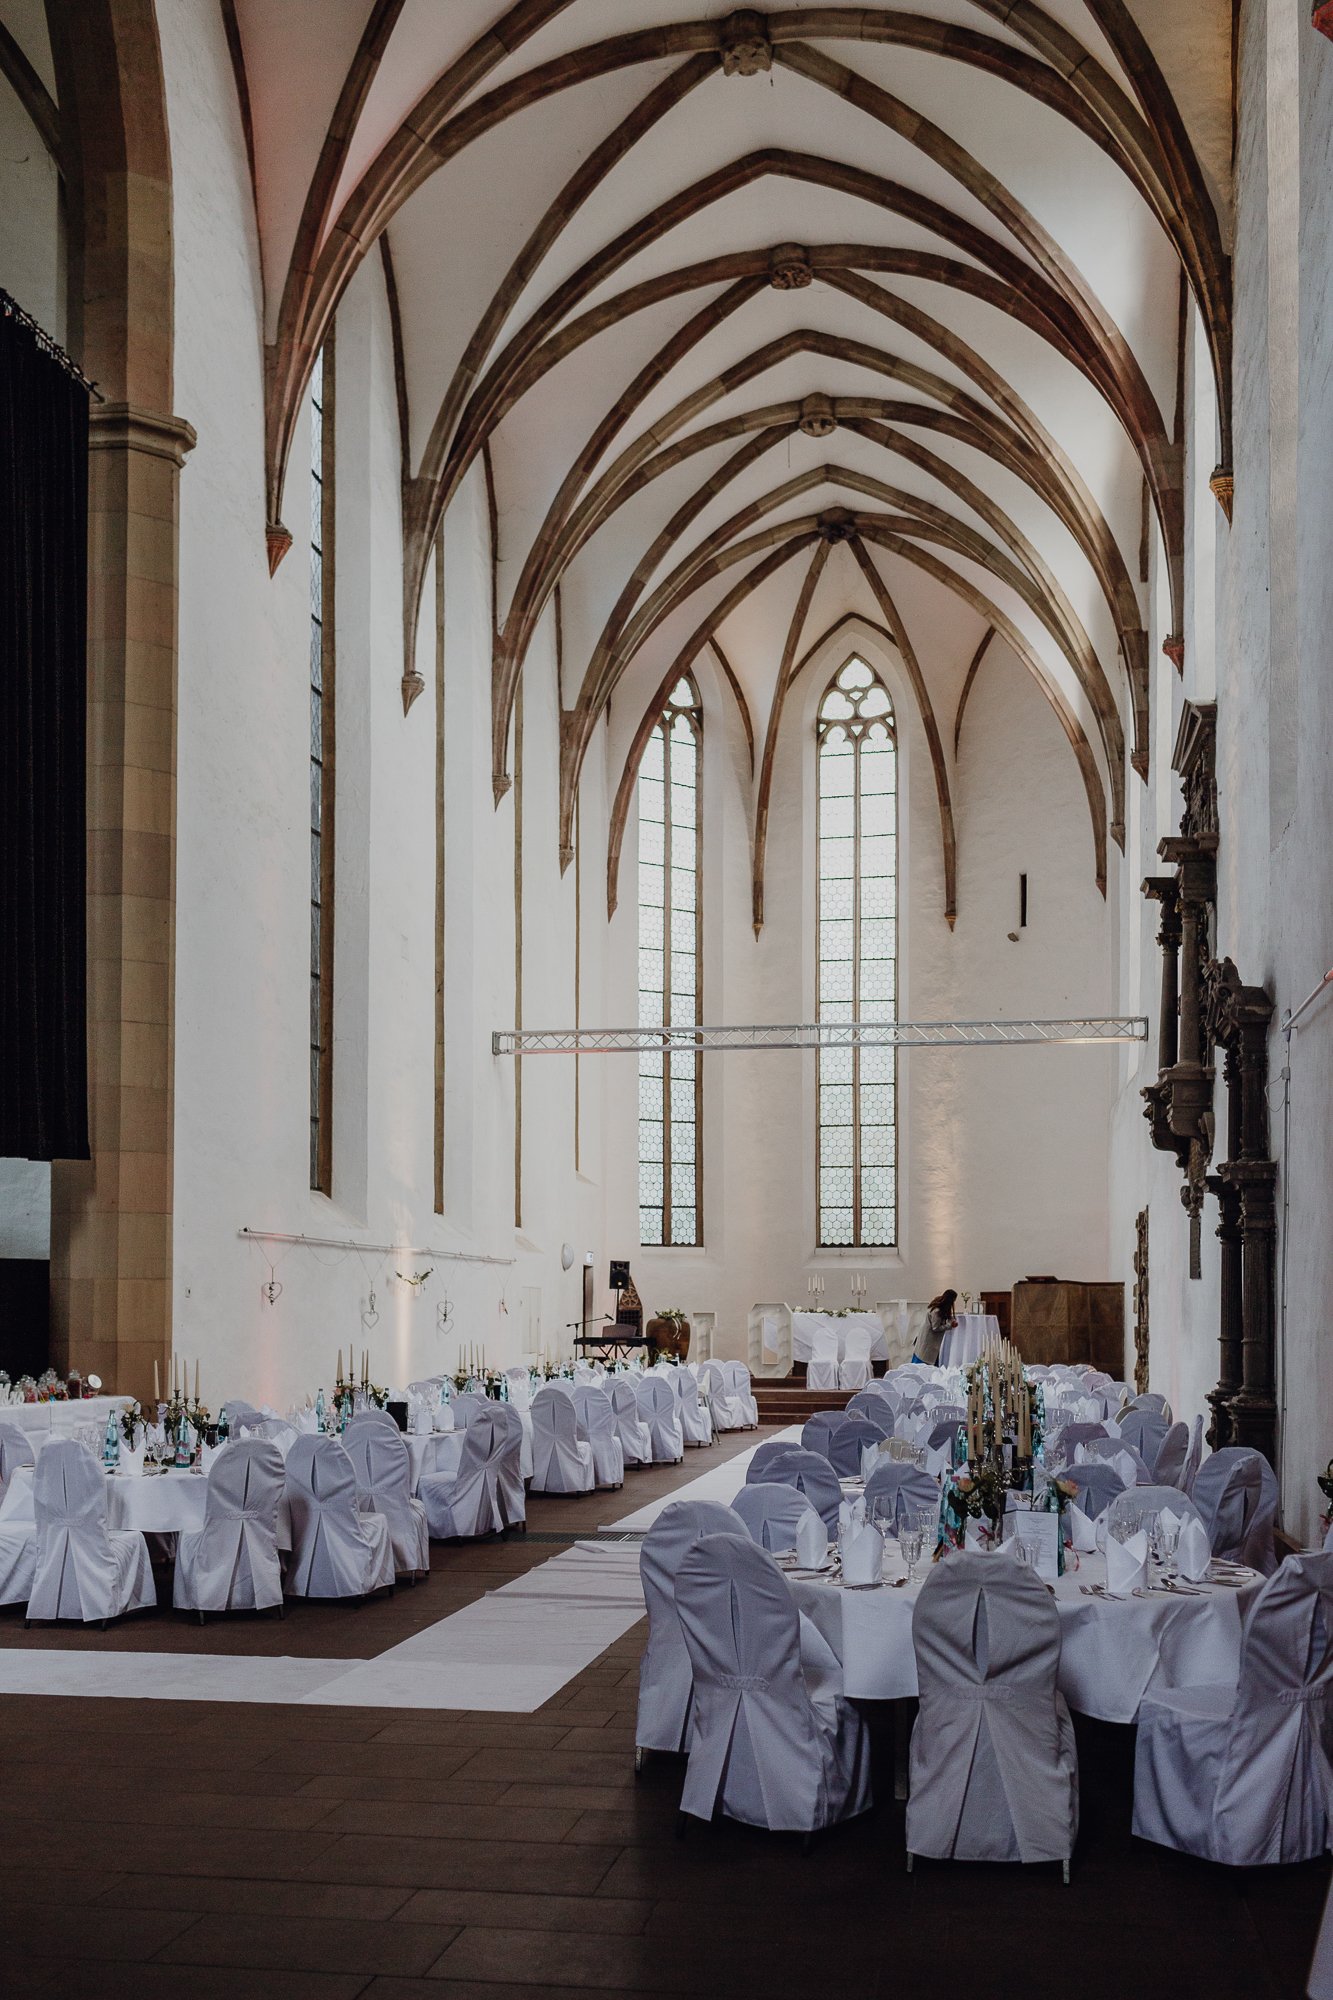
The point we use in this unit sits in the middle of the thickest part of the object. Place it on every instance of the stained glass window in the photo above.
(856, 974)
(670, 969)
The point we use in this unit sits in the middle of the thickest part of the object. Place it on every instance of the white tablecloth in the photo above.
(61, 1418)
(803, 1325)
(963, 1346)
(154, 1503)
(1109, 1653)
(434, 1451)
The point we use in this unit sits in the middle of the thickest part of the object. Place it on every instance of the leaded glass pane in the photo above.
(856, 872)
(668, 872)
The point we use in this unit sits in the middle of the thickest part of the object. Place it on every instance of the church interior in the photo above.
(666, 944)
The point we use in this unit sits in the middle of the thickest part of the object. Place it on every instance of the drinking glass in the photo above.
(909, 1542)
(1168, 1541)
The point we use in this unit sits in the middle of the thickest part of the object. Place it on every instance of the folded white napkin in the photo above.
(851, 1518)
(131, 1462)
(306, 1421)
(937, 1462)
(1193, 1554)
(1080, 1532)
(209, 1454)
(869, 1459)
(1126, 1564)
(976, 1535)
(811, 1541)
(442, 1418)
(863, 1556)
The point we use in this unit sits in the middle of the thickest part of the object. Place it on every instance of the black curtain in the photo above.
(43, 706)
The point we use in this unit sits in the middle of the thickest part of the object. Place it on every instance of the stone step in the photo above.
(790, 1402)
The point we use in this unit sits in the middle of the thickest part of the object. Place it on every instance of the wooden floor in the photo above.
(160, 1848)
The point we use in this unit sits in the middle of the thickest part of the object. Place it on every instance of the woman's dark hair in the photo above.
(944, 1302)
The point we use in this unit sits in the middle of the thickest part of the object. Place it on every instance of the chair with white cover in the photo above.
(1114, 1451)
(775, 1742)
(1067, 1440)
(485, 1496)
(665, 1680)
(1195, 1458)
(1152, 1500)
(818, 1432)
(850, 1439)
(561, 1461)
(1236, 1493)
(727, 1415)
(813, 1476)
(877, 1403)
(821, 1370)
(1168, 1468)
(994, 1770)
(84, 1569)
(635, 1444)
(659, 1410)
(904, 1487)
(741, 1393)
(762, 1457)
(275, 1431)
(337, 1551)
(15, 1450)
(1146, 1431)
(771, 1512)
(384, 1475)
(1095, 1486)
(696, 1425)
(598, 1418)
(854, 1368)
(238, 1412)
(1243, 1775)
(232, 1562)
(1151, 1401)
(520, 1387)
(18, 1538)
(467, 1405)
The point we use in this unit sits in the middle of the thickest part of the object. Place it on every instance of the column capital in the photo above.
(127, 427)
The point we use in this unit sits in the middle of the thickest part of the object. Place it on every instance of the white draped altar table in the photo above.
(1110, 1651)
(962, 1346)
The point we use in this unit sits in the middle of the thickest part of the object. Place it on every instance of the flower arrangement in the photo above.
(133, 1424)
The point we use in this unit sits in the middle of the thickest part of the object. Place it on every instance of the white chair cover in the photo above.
(238, 1412)
(1243, 1775)
(1067, 1439)
(660, 1412)
(813, 1475)
(773, 1745)
(467, 1405)
(1146, 1431)
(771, 1512)
(1168, 1468)
(18, 1561)
(1097, 1486)
(911, 1489)
(762, 1456)
(1111, 1451)
(232, 1563)
(485, 1496)
(994, 1771)
(635, 1443)
(740, 1393)
(821, 1370)
(520, 1388)
(561, 1462)
(1150, 1400)
(337, 1551)
(726, 1411)
(877, 1401)
(272, 1430)
(597, 1416)
(665, 1679)
(1236, 1493)
(818, 1431)
(848, 1442)
(384, 1476)
(84, 1569)
(1152, 1500)
(15, 1450)
(1195, 1459)
(854, 1369)
(695, 1424)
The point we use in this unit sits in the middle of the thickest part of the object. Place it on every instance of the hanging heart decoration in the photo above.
(272, 1291)
(370, 1318)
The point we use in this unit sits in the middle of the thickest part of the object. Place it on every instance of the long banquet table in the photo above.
(1111, 1649)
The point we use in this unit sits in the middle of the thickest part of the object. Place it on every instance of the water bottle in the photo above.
(111, 1444)
(319, 1410)
(224, 1428)
(184, 1450)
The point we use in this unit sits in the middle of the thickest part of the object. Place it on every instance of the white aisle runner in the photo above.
(511, 1651)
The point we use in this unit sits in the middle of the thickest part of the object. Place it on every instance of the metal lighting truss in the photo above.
(689, 1039)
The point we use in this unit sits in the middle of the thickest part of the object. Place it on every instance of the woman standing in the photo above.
(940, 1319)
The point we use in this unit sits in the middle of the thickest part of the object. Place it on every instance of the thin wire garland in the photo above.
(11, 309)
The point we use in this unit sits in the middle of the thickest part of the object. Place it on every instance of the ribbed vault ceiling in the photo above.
(761, 320)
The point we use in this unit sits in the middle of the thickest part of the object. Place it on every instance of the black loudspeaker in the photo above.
(619, 1273)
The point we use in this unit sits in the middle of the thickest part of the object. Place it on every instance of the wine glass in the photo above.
(909, 1542)
(1168, 1541)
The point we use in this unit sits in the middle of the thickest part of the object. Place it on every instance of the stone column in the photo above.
(111, 1217)
(1229, 1236)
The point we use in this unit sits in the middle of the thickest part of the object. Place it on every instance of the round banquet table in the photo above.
(434, 1452)
(152, 1503)
(1110, 1649)
(961, 1347)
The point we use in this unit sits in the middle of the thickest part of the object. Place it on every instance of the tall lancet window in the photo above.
(856, 972)
(321, 770)
(670, 969)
